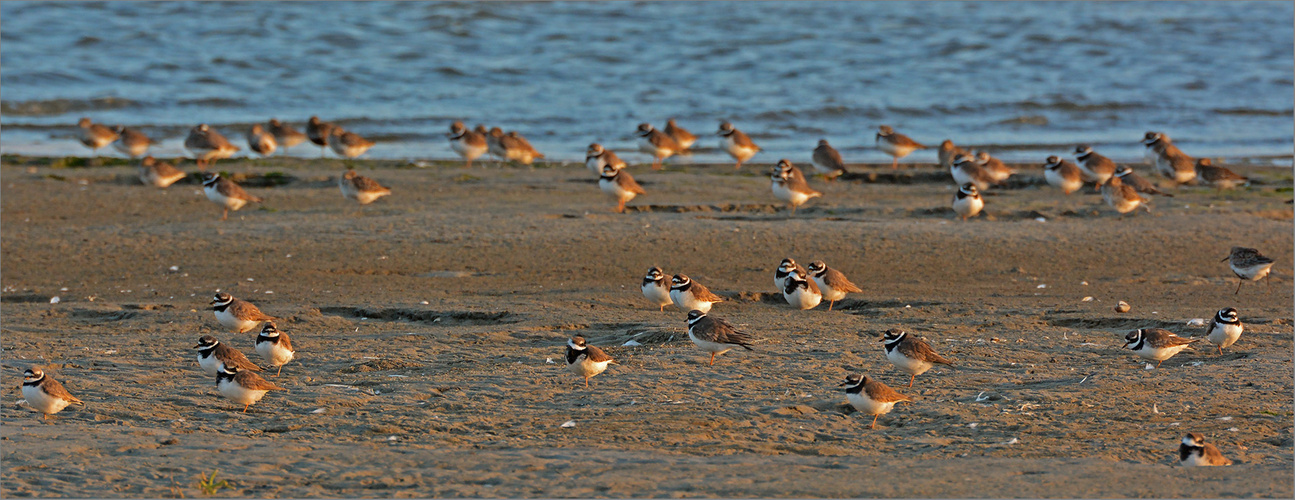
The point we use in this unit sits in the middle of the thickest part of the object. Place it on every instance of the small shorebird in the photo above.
(467, 143)
(205, 143)
(212, 352)
(948, 152)
(319, 132)
(736, 143)
(896, 145)
(655, 288)
(131, 142)
(274, 346)
(871, 397)
(1122, 197)
(238, 314)
(1094, 168)
(261, 141)
(801, 293)
(831, 282)
(827, 160)
(596, 158)
(1195, 452)
(967, 171)
(45, 394)
(657, 144)
(911, 354)
(1225, 328)
(495, 145)
(688, 294)
(348, 144)
(95, 135)
(790, 187)
(586, 360)
(158, 173)
(517, 148)
(285, 135)
(967, 201)
(1247, 264)
(360, 188)
(680, 135)
(997, 170)
(1156, 344)
(243, 387)
(620, 185)
(1170, 161)
(224, 192)
(715, 335)
(785, 268)
(1063, 174)
(1219, 177)
(1130, 178)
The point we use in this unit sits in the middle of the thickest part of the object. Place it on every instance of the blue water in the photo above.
(1022, 79)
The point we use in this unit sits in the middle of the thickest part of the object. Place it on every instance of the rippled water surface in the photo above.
(1023, 79)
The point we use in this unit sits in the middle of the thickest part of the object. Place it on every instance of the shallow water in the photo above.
(1024, 80)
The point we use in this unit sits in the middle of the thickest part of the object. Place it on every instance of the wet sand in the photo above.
(431, 325)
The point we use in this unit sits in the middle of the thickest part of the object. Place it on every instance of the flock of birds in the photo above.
(972, 171)
(802, 288)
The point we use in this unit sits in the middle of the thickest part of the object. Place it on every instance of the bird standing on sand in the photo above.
(871, 397)
(1122, 197)
(967, 201)
(243, 387)
(360, 188)
(619, 184)
(788, 184)
(45, 394)
(596, 157)
(680, 135)
(158, 174)
(1062, 174)
(284, 134)
(205, 143)
(224, 192)
(1156, 344)
(131, 142)
(831, 282)
(586, 360)
(467, 143)
(1139, 184)
(260, 141)
(1219, 177)
(827, 160)
(715, 335)
(912, 355)
(319, 132)
(348, 144)
(1247, 264)
(656, 143)
(736, 143)
(274, 346)
(896, 145)
(95, 135)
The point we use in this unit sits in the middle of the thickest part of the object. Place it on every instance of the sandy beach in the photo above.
(431, 325)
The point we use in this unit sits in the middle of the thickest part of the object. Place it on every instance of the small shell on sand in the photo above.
(1122, 307)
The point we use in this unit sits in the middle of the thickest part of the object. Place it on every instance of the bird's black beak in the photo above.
(1226, 258)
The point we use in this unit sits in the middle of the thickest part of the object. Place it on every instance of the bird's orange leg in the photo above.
(712, 359)
(910, 379)
(874, 422)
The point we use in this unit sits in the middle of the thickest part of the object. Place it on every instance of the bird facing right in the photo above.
(261, 141)
(827, 160)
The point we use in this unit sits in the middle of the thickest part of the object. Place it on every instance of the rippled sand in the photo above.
(457, 396)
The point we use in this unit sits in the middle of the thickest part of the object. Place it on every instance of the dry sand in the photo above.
(425, 325)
